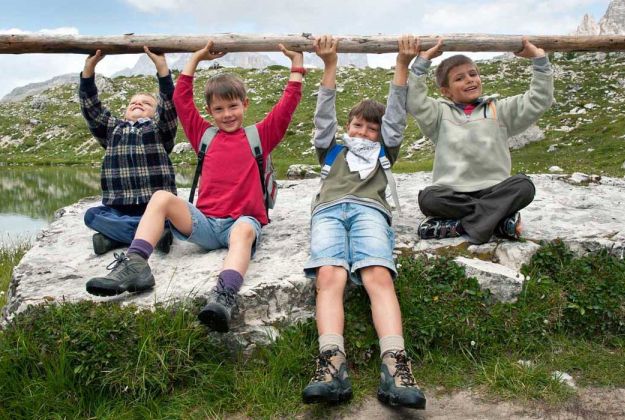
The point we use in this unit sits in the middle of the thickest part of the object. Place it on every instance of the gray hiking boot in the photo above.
(437, 228)
(164, 244)
(129, 273)
(103, 244)
(331, 383)
(397, 385)
(217, 313)
(510, 227)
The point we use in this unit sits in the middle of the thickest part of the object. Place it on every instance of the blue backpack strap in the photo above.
(329, 160)
(386, 166)
(207, 138)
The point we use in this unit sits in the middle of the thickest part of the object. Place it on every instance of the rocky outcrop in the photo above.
(587, 217)
(613, 22)
(589, 26)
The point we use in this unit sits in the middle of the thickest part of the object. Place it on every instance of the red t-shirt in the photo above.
(230, 182)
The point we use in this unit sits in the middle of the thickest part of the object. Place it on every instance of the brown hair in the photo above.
(443, 69)
(368, 109)
(226, 86)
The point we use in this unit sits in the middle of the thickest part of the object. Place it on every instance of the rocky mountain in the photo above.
(31, 89)
(176, 61)
(612, 22)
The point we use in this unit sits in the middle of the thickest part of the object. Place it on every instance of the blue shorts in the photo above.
(213, 233)
(352, 236)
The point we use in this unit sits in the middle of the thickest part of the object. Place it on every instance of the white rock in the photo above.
(552, 148)
(300, 171)
(554, 168)
(505, 284)
(514, 254)
(579, 178)
(182, 147)
(531, 135)
(563, 378)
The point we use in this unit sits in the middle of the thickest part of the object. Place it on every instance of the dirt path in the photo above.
(591, 403)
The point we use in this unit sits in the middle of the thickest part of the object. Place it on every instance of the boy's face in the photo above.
(363, 129)
(140, 106)
(228, 113)
(465, 85)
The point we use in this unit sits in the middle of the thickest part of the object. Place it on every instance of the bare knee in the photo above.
(243, 233)
(160, 199)
(330, 277)
(376, 278)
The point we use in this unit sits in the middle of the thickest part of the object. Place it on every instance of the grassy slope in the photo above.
(594, 145)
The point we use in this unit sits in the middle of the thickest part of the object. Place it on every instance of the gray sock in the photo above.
(391, 343)
(329, 341)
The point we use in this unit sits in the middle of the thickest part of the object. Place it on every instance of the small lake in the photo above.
(29, 196)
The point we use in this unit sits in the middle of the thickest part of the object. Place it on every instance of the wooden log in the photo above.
(132, 44)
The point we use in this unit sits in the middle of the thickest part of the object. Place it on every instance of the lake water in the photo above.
(29, 196)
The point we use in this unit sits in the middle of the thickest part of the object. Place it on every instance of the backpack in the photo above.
(384, 162)
(265, 169)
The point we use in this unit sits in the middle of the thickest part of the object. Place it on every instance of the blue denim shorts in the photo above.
(213, 233)
(352, 236)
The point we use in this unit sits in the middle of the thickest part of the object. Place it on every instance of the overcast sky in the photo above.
(340, 17)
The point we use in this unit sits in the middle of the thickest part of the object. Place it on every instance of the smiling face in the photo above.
(363, 129)
(464, 84)
(140, 106)
(227, 112)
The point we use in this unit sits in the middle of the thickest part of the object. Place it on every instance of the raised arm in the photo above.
(165, 116)
(394, 119)
(99, 119)
(205, 53)
(325, 112)
(521, 111)
(423, 108)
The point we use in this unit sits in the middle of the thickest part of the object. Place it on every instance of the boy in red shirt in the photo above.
(230, 207)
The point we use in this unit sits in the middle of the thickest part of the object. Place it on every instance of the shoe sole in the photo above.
(330, 399)
(213, 321)
(114, 291)
(389, 400)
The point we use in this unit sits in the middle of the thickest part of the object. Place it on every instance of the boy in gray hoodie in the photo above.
(473, 192)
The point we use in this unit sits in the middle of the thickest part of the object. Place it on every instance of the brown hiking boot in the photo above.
(397, 384)
(331, 383)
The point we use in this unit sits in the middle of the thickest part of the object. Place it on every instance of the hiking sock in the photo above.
(230, 279)
(330, 341)
(391, 343)
(140, 247)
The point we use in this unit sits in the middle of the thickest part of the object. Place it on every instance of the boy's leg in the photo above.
(397, 383)
(240, 237)
(329, 264)
(131, 272)
(444, 208)
(114, 228)
(494, 204)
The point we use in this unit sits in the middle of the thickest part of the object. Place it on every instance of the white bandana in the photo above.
(362, 155)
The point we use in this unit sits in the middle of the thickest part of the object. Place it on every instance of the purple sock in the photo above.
(230, 279)
(141, 248)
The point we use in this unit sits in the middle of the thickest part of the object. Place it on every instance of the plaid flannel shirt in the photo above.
(136, 160)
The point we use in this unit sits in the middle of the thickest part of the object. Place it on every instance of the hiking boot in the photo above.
(510, 227)
(397, 385)
(330, 383)
(103, 244)
(218, 311)
(437, 228)
(129, 273)
(164, 244)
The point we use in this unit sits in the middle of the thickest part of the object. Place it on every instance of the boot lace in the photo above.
(324, 366)
(402, 369)
(120, 258)
(224, 295)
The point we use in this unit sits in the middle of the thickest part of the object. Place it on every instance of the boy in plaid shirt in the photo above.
(136, 162)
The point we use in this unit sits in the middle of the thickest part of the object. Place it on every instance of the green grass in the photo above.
(10, 256)
(78, 360)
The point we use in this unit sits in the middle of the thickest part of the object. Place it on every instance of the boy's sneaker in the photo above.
(164, 244)
(103, 244)
(510, 227)
(437, 228)
(129, 273)
(397, 385)
(331, 383)
(218, 311)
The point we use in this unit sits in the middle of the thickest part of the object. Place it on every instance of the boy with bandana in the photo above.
(351, 236)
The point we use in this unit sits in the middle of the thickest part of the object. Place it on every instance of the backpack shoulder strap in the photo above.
(207, 138)
(253, 138)
(329, 160)
(386, 166)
